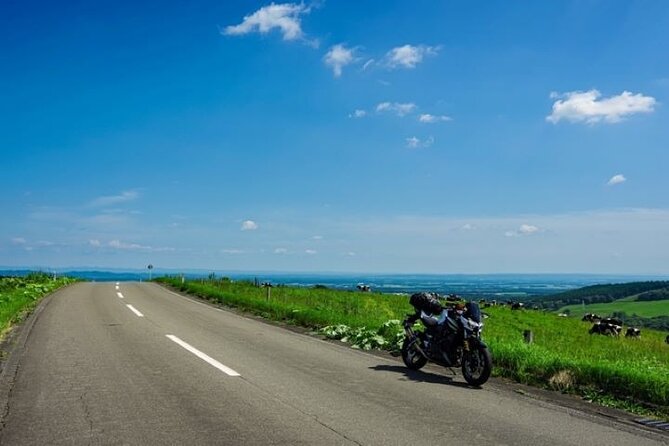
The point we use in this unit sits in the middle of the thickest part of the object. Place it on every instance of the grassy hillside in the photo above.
(629, 307)
(608, 291)
(597, 294)
(642, 304)
(564, 356)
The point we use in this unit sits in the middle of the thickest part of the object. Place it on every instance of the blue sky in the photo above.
(436, 137)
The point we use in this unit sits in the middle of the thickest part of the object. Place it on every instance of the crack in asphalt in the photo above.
(5, 412)
(307, 414)
(87, 415)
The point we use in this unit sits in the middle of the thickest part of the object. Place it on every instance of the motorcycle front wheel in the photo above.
(477, 366)
(411, 356)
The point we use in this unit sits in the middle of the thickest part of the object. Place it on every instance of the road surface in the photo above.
(134, 363)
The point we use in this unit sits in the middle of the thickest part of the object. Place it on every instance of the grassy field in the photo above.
(627, 306)
(563, 356)
(19, 295)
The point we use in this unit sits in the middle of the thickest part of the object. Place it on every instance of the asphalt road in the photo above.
(137, 364)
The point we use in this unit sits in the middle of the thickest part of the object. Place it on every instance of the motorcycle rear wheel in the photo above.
(477, 366)
(412, 358)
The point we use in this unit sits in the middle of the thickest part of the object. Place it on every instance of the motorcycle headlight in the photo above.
(473, 325)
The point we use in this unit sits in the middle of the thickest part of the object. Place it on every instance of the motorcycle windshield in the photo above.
(473, 311)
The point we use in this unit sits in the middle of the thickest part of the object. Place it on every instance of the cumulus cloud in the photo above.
(338, 57)
(111, 200)
(616, 179)
(431, 119)
(415, 143)
(591, 108)
(285, 17)
(249, 225)
(524, 229)
(358, 114)
(400, 109)
(528, 229)
(408, 56)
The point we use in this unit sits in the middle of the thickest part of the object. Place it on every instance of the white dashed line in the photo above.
(119, 295)
(227, 370)
(134, 310)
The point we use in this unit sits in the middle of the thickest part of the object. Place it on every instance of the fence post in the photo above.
(528, 336)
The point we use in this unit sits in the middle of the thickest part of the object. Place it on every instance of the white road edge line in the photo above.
(134, 310)
(119, 295)
(227, 370)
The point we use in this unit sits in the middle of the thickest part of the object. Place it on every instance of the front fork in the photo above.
(414, 341)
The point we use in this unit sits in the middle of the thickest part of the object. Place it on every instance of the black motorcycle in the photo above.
(452, 337)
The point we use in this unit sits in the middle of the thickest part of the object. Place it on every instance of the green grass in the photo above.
(563, 356)
(19, 295)
(310, 307)
(630, 307)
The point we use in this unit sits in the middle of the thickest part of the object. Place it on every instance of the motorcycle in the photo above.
(452, 338)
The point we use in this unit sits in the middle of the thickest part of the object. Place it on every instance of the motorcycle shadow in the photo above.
(422, 376)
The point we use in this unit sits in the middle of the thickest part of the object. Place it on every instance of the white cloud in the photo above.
(280, 251)
(111, 200)
(616, 179)
(249, 225)
(117, 244)
(528, 229)
(18, 241)
(367, 64)
(524, 229)
(94, 243)
(232, 251)
(310, 251)
(468, 227)
(408, 56)
(284, 16)
(415, 143)
(431, 119)
(317, 237)
(338, 57)
(586, 106)
(358, 114)
(351, 254)
(401, 109)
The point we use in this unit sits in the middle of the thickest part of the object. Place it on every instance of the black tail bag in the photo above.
(426, 302)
